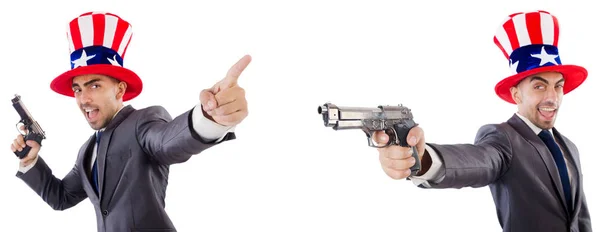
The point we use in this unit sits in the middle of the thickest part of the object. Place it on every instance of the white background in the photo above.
(286, 171)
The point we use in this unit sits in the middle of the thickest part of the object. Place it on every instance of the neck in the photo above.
(530, 124)
(113, 117)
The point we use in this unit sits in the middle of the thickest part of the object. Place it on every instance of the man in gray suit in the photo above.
(533, 171)
(123, 168)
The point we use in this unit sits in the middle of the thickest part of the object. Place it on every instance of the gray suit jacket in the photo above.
(134, 155)
(522, 176)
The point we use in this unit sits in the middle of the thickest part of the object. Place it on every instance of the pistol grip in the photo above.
(21, 154)
(402, 134)
(30, 136)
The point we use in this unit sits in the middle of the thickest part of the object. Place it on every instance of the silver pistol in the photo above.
(395, 121)
(33, 128)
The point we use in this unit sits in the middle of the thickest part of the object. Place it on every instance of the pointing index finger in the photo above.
(236, 70)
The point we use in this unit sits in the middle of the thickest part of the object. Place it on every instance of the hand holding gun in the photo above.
(32, 130)
(395, 121)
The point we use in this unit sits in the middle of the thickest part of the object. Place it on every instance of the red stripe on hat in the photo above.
(555, 30)
(500, 46)
(119, 34)
(509, 27)
(126, 46)
(75, 34)
(99, 22)
(534, 27)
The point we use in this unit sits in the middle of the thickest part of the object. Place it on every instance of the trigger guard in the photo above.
(392, 136)
(372, 143)
(20, 131)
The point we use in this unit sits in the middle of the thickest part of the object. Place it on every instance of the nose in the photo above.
(552, 94)
(84, 97)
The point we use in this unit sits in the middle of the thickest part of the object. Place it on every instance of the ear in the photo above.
(516, 95)
(121, 88)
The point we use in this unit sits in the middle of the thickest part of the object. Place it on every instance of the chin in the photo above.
(94, 126)
(97, 125)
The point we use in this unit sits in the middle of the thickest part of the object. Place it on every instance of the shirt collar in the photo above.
(532, 126)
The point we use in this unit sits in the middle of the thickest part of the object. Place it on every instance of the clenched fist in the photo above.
(396, 160)
(225, 103)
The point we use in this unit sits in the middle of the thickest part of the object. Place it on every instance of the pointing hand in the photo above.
(225, 103)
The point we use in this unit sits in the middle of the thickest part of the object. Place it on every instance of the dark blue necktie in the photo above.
(560, 164)
(95, 166)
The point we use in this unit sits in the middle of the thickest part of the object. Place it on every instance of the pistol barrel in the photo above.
(340, 117)
(21, 110)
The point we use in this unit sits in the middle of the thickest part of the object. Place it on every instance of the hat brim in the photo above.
(574, 76)
(62, 84)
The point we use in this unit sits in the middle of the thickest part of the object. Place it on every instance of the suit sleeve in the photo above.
(59, 194)
(474, 165)
(585, 222)
(169, 141)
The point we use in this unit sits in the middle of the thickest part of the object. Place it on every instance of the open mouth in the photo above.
(91, 113)
(547, 113)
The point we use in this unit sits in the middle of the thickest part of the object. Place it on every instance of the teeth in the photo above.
(89, 110)
(547, 109)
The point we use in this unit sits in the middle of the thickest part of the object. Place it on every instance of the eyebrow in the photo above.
(87, 83)
(544, 80)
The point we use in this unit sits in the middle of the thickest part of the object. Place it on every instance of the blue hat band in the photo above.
(533, 56)
(95, 55)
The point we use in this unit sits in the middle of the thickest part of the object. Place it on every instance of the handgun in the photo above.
(395, 121)
(33, 129)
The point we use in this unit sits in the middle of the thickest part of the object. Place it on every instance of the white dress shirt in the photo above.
(207, 129)
(434, 175)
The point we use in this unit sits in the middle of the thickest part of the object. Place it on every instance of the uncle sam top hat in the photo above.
(97, 43)
(530, 42)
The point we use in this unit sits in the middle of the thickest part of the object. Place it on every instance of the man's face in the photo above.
(98, 97)
(538, 98)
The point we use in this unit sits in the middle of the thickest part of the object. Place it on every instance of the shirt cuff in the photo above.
(206, 128)
(24, 169)
(433, 174)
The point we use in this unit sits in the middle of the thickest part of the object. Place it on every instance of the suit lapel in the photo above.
(102, 149)
(82, 162)
(544, 154)
(105, 143)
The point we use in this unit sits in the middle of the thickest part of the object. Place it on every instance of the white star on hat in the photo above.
(82, 61)
(514, 66)
(545, 57)
(113, 61)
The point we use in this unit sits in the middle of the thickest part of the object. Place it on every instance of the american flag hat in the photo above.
(529, 40)
(97, 43)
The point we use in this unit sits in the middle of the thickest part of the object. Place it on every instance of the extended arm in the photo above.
(59, 194)
(175, 141)
(467, 165)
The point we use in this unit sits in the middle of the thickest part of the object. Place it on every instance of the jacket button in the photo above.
(105, 212)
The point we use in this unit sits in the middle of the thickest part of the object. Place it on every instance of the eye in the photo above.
(76, 90)
(538, 87)
(95, 86)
